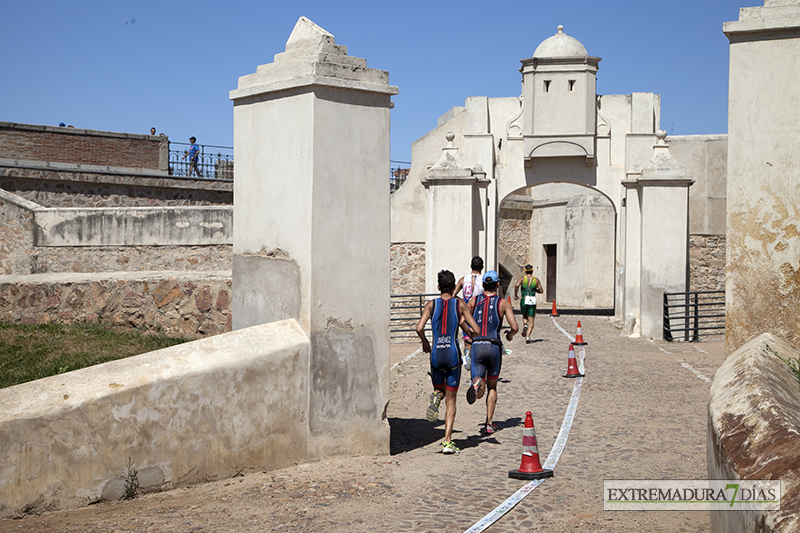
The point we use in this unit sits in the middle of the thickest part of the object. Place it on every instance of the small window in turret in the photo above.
(571, 85)
(547, 86)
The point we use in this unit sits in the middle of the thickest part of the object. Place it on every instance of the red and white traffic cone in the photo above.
(572, 365)
(555, 311)
(579, 337)
(530, 467)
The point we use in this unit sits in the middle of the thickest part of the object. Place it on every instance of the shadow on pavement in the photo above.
(411, 433)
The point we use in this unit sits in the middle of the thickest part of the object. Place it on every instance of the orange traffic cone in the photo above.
(555, 311)
(572, 365)
(579, 337)
(530, 468)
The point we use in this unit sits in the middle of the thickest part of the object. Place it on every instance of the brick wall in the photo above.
(71, 145)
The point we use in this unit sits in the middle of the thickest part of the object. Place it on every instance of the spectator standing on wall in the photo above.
(194, 155)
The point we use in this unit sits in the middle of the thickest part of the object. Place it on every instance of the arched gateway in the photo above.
(581, 186)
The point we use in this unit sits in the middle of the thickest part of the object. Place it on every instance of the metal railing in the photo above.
(693, 314)
(404, 315)
(398, 175)
(214, 162)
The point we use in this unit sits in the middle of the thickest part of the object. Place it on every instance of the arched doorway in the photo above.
(568, 233)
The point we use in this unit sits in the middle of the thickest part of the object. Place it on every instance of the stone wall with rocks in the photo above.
(49, 186)
(514, 228)
(131, 258)
(16, 235)
(185, 304)
(706, 262)
(407, 268)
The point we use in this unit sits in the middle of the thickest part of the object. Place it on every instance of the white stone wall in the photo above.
(763, 240)
(199, 411)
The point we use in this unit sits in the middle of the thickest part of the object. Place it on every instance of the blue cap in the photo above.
(491, 277)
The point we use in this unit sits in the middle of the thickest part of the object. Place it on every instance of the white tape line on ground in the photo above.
(550, 462)
(570, 337)
(696, 373)
(657, 346)
(419, 351)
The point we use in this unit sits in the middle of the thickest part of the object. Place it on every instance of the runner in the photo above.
(447, 313)
(487, 351)
(470, 286)
(530, 287)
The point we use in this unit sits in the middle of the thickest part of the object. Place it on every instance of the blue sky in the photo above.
(127, 66)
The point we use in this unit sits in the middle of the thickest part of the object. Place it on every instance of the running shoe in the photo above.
(449, 447)
(467, 359)
(490, 428)
(474, 388)
(525, 330)
(432, 414)
(471, 395)
(480, 389)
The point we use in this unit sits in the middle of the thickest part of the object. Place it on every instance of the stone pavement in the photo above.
(642, 414)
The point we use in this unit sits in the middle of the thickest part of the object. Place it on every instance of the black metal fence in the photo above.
(404, 316)
(688, 316)
(214, 162)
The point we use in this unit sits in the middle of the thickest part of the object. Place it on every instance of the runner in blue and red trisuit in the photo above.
(447, 314)
(487, 348)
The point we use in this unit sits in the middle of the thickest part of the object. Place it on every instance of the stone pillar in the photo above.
(762, 282)
(477, 151)
(453, 204)
(661, 232)
(311, 228)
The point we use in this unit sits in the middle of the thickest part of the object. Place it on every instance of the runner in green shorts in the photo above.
(530, 286)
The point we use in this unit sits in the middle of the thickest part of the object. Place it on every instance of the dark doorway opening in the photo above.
(550, 283)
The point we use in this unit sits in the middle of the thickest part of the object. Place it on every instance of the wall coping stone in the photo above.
(754, 431)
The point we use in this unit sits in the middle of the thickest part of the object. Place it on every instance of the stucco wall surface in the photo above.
(154, 226)
(186, 304)
(754, 431)
(194, 412)
(763, 263)
(705, 157)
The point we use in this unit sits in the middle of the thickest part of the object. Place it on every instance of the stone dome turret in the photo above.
(560, 45)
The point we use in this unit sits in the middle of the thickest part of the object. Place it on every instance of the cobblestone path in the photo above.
(642, 414)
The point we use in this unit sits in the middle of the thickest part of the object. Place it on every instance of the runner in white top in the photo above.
(470, 286)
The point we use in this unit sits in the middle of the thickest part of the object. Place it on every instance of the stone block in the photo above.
(754, 431)
(194, 412)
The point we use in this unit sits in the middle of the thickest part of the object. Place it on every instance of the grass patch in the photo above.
(29, 352)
